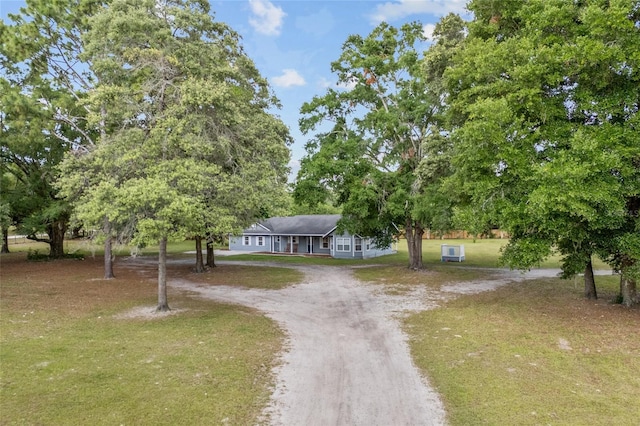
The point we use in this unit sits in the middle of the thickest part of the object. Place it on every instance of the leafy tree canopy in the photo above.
(382, 127)
(545, 99)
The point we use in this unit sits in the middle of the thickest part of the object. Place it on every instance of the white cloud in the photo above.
(267, 18)
(427, 31)
(289, 78)
(399, 9)
(294, 168)
(324, 83)
(349, 84)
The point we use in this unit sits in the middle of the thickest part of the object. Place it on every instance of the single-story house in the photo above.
(305, 234)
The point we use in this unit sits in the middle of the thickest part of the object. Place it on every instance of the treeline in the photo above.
(148, 121)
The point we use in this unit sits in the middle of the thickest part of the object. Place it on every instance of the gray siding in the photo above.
(285, 229)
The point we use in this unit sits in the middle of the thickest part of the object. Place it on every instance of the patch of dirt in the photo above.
(146, 313)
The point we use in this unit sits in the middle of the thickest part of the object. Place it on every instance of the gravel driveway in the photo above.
(347, 361)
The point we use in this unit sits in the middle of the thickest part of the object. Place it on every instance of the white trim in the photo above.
(328, 243)
(346, 248)
(246, 240)
(260, 241)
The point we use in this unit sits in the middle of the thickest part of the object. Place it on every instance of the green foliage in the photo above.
(471, 219)
(35, 255)
(185, 126)
(43, 115)
(384, 129)
(29, 154)
(544, 104)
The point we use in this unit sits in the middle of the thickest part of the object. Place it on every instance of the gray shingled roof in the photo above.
(312, 225)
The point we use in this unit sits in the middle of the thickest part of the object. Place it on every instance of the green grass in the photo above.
(69, 356)
(498, 358)
(495, 358)
(199, 367)
(267, 278)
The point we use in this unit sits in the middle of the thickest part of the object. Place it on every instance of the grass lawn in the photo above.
(71, 354)
(533, 353)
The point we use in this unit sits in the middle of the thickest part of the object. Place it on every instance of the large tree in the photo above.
(186, 106)
(43, 115)
(30, 153)
(382, 126)
(545, 98)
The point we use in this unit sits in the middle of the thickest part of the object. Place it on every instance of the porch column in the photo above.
(311, 245)
(291, 244)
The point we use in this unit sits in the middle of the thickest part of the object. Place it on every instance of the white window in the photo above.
(325, 242)
(294, 240)
(246, 241)
(357, 242)
(260, 241)
(343, 244)
(368, 244)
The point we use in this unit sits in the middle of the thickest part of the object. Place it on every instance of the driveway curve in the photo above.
(347, 361)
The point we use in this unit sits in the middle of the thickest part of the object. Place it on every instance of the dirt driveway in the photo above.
(347, 361)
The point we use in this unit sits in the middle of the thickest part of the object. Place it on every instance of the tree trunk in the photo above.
(589, 281)
(414, 234)
(211, 263)
(108, 258)
(199, 261)
(163, 305)
(628, 290)
(108, 251)
(56, 233)
(5, 241)
(75, 232)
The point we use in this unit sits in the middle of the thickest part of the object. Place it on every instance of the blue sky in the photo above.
(293, 42)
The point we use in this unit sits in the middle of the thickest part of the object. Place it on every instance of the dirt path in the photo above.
(347, 361)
